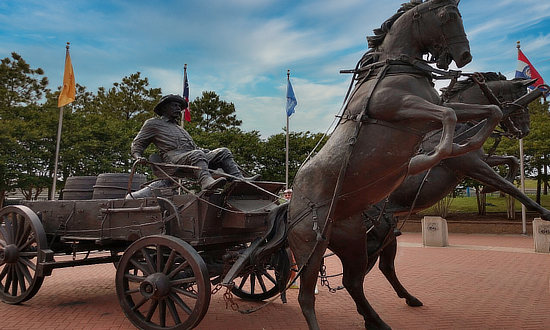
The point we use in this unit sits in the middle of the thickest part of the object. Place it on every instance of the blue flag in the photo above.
(291, 101)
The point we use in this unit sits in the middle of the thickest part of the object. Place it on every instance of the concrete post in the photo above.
(541, 235)
(435, 231)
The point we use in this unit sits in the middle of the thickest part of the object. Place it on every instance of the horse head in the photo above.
(506, 91)
(518, 123)
(439, 28)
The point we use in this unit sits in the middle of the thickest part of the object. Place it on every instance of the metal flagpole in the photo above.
(59, 126)
(522, 183)
(287, 139)
(522, 179)
(182, 121)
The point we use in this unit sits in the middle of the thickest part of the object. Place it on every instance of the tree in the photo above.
(211, 114)
(112, 119)
(272, 155)
(23, 146)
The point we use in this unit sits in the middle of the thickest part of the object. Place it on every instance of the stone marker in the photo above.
(434, 231)
(541, 235)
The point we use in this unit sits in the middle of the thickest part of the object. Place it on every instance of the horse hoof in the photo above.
(413, 302)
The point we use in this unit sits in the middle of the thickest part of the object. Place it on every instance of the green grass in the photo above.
(494, 204)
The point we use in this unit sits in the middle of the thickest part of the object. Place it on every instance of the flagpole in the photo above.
(59, 127)
(58, 142)
(287, 138)
(182, 123)
(522, 177)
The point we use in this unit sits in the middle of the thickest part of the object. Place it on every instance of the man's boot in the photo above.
(230, 167)
(209, 183)
(206, 180)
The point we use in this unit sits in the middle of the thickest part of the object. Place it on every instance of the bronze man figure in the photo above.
(176, 146)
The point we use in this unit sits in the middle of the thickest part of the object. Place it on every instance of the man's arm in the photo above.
(142, 140)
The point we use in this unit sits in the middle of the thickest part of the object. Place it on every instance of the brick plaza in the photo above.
(478, 282)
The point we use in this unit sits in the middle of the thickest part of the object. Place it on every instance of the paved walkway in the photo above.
(478, 282)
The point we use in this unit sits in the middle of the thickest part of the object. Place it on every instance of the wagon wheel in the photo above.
(163, 283)
(265, 279)
(21, 238)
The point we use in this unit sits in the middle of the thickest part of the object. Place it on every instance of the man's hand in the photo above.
(140, 159)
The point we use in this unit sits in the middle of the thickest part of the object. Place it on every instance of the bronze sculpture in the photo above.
(412, 196)
(374, 147)
(177, 147)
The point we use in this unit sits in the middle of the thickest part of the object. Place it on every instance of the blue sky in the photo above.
(241, 49)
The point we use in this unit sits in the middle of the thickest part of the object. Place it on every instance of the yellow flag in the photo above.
(69, 90)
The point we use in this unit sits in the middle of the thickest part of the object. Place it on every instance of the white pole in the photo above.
(59, 126)
(522, 183)
(287, 139)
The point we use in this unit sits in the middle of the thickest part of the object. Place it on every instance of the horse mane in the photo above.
(380, 34)
(462, 85)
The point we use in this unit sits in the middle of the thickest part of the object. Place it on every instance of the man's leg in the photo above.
(198, 158)
(223, 158)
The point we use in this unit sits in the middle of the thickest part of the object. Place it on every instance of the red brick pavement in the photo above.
(479, 282)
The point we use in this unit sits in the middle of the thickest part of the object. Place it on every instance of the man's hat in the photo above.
(169, 98)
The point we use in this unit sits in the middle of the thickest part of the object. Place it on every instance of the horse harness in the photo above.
(378, 70)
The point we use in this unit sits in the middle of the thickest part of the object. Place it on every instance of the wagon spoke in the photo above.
(186, 293)
(183, 281)
(8, 279)
(151, 310)
(159, 258)
(5, 233)
(13, 281)
(2, 243)
(25, 271)
(140, 303)
(169, 262)
(261, 281)
(148, 259)
(269, 277)
(3, 272)
(162, 313)
(243, 281)
(140, 266)
(181, 303)
(28, 263)
(132, 291)
(134, 278)
(252, 282)
(9, 229)
(30, 254)
(178, 269)
(31, 240)
(20, 278)
(25, 235)
(173, 311)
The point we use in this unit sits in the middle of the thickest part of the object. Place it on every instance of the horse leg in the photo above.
(302, 242)
(387, 267)
(478, 170)
(511, 161)
(350, 247)
(419, 109)
(468, 112)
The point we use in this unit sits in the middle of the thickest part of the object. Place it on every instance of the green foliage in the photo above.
(272, 156)
(210, 114)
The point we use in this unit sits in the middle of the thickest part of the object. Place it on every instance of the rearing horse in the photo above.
(374, 146)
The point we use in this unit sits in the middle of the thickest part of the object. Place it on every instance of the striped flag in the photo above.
(526, 70)
(186, 112)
